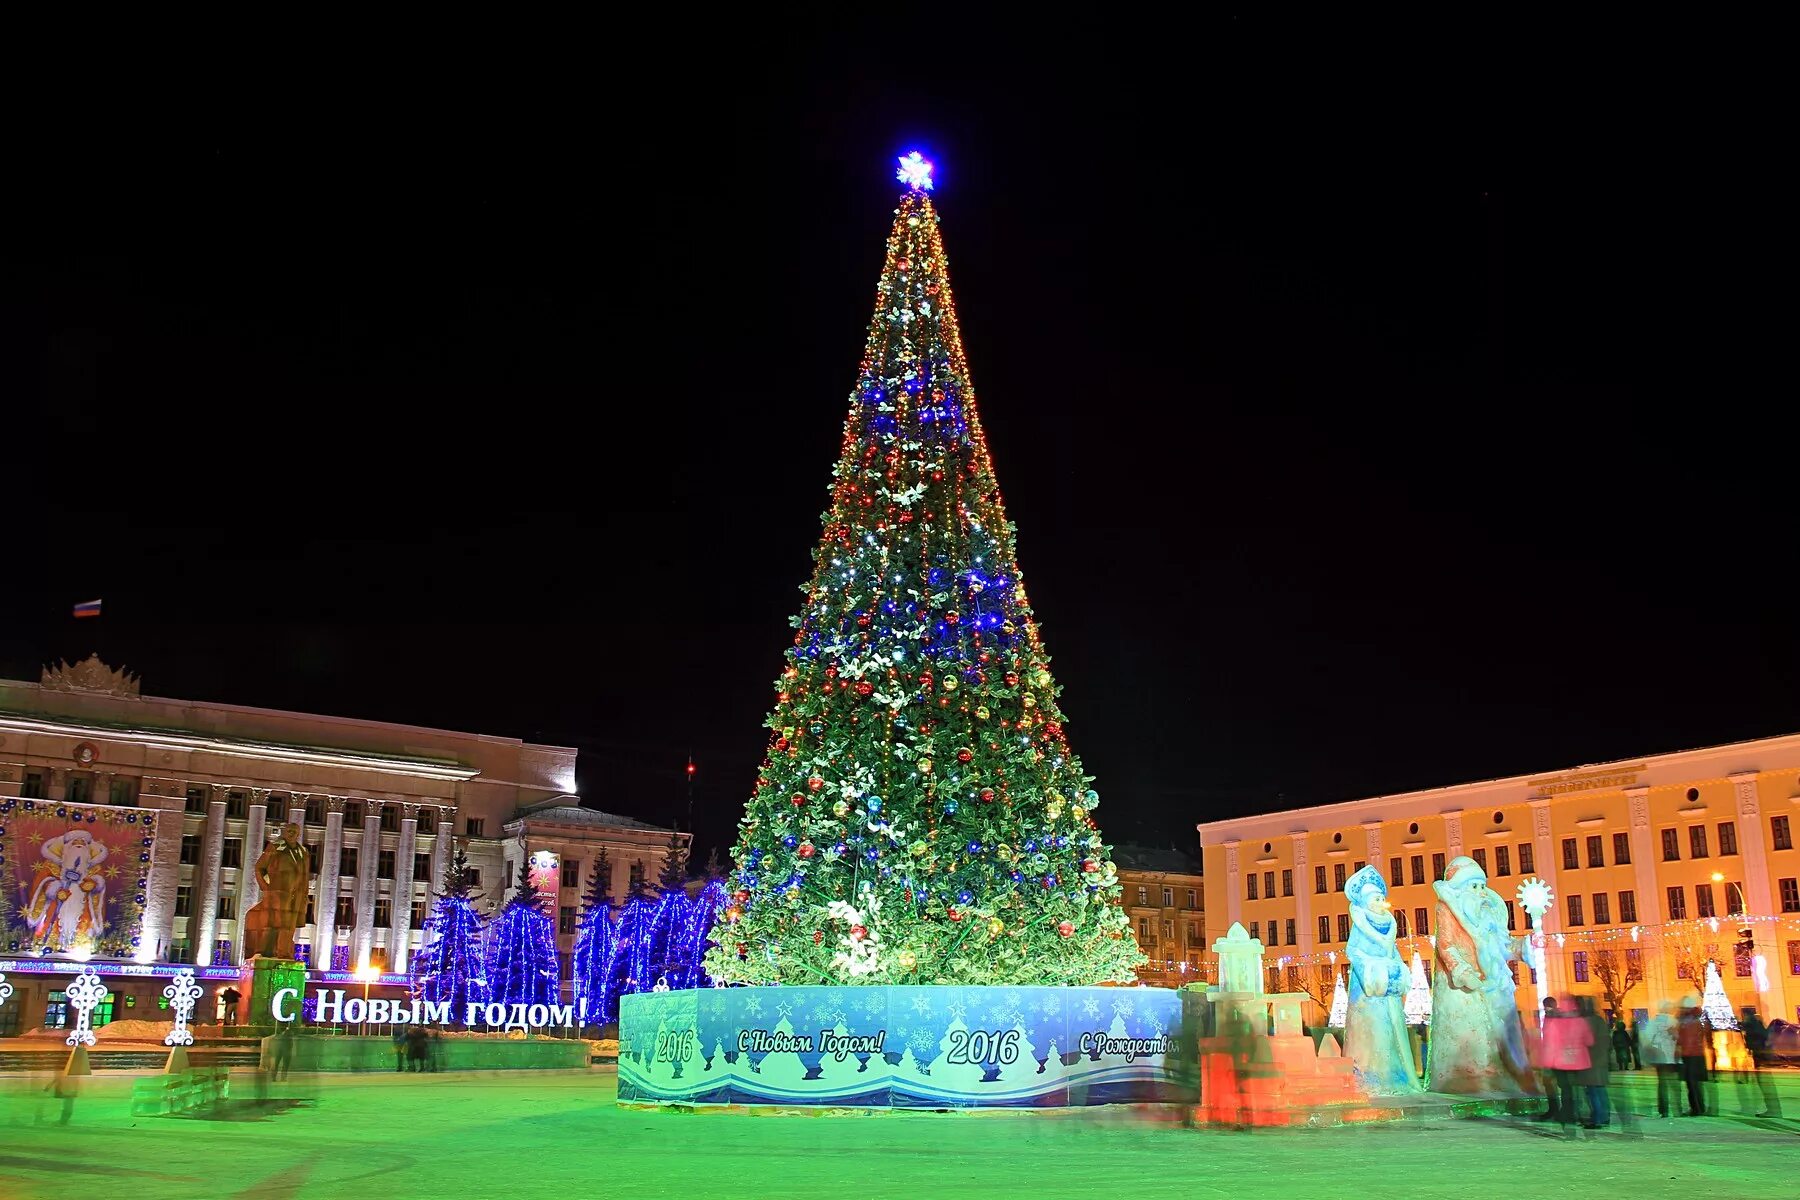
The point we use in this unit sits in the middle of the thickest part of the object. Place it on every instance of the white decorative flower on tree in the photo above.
(182, 995)
(86, 992)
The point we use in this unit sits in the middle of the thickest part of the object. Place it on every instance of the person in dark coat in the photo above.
(1690, 1044)
(1594, 1079)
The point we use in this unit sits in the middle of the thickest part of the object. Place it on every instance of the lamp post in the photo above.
(368, 975)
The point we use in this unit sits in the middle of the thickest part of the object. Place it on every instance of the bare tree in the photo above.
(1617, 974)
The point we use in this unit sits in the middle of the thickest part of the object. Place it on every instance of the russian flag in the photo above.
(90, 609)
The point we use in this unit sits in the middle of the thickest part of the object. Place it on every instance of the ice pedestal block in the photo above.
(901, 1047)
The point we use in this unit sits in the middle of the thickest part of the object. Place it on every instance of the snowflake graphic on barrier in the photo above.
(753, 1006)
(1049, 1004)
(921, 1003)
(873, 1001)
(1124, 1008)
(922, 1045)
(1157, 1028)
(1090, 1007)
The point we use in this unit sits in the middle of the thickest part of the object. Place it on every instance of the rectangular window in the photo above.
(1527, 859)
(390, 818)
(1194, 931)
(1324, 929)
(1677, 904)
(1169, 930)
(309, 911)
(1575, 917)
(1502, 860)
(1396, 872)
(571, 872)
(1319, 878)
(1343, 924)
(1143, 893)
(1741, 961)
(1287, 889)
(1357, 866)
(1268, 890)
(124, 791)
(384, 864)
(1512, 916)
(196, 800)
(346, 912)
(1634, 961)
(1143, 931)
(1671, 841)
(637, 879)
(1703, 901)
(353, 812)
(1421, 923)
(237, 804)
(1479, 854)
(1249, 886)
(1596, 851)
(473, 826)
(1794, 958)
(565, 920)
(1571, 855)
(1418, 868)
(227, 908)
(190, 848)
(427, 821)
(1400, 923)
(347, 862)
(422, 866)
(475, 875)
(1783, 838)
(1602, 909)
(1621, 849)
(231, 854)
(312, 857)
(1734, 899)
(184, 900)
(1628, 907)
(315, 809)
(79, 790)
(1337, 877)
(34, 788)
(418, 914)
(1581, 966)
(1696, 841)
(1727, 837)
(1790, 895)
(384, 912)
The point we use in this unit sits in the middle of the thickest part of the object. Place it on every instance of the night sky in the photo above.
(1373, 417)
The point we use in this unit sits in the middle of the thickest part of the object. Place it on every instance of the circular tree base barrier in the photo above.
(930, 1047)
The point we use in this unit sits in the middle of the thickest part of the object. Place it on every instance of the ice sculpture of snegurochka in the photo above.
(1375, 1035)
(1477, 1042)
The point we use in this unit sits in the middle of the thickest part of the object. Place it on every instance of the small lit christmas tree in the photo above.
(920, 816)
(1418, 996)
(593, 947)
(1715, 1006)
(522, 960)
(1340, 1004)
(449, 967)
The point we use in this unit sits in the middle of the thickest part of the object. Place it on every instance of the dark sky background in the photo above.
(1377, 412)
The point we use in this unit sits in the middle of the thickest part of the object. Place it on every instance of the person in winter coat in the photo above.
(1690, 1047)
(1568, 1042)
(1621, 1046)
(1596, 1077)
(1659, 1051)
(1546, 1071)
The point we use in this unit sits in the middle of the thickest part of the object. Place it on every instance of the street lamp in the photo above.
(368, 974)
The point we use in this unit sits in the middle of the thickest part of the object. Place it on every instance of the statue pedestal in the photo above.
(262, 978)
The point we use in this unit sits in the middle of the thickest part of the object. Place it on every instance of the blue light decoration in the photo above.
(521, 959)
(915, 172)
(595, 1004)
(449, 967)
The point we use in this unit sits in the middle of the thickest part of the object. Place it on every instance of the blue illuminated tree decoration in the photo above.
(593, 948)
(522, 960)
(671, 916)
(449, 967)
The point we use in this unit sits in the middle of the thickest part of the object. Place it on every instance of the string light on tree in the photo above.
(1418, 994)
(919, 772)
(522, 960)
(449, 967)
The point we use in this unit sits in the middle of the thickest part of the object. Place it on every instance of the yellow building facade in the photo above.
(1162, 892)
(1659, 865)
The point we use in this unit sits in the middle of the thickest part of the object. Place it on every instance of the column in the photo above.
(441, 842)
(325, 890)
(1759, 899)
(401, 929)
(1543, 849)
(1453, 835)
(248, 892)
(1234, 885)
(1649, 896)
(296, 813)
(204, 920)
(1303, 894)
(364, 936)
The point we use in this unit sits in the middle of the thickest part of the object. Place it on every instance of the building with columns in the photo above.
(1659, 865)
(1160, 889)
(379, 806)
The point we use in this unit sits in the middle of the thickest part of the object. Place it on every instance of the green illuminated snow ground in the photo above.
(560, 1135)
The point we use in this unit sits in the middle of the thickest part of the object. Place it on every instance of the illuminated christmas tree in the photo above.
(1340, 1005)
(449, 966)
(1715, 1005)
(1418, 995)
(920, 816)
(593, 947)
(521, 958)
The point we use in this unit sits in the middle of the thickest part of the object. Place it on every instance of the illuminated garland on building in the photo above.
(920, 816)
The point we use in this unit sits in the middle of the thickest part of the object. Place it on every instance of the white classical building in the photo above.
(380, 806)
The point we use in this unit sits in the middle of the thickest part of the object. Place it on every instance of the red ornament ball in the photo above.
(864, 689)
(806, 850)
(951, 618)
(815, 783)
(964, 755)
(859, 932)
(781, 743)
(987, 795)
(1012, 679)
(798, 799)
(818, 936)
(1089, 865)
(954, 915)
(1067, 929)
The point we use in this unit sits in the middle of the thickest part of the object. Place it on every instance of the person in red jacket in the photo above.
(1568, 1043)
(1690, 1045)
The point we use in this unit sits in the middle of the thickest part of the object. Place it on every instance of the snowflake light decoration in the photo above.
(84, 994)
(915, 172)
(1534, 896)
(183, 994)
